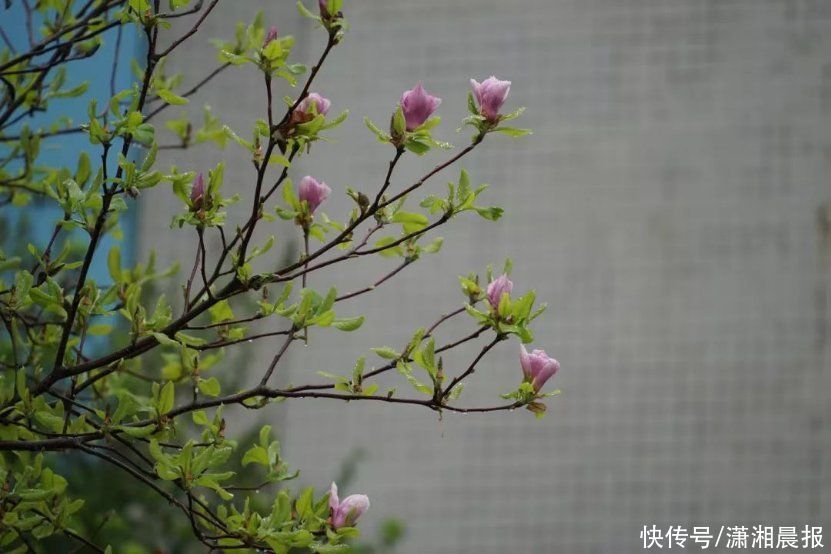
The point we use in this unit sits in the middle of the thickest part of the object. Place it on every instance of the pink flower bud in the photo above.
(490, 95)
(271, 35)
(497, 288)
(346, 513)
(320, 103)
(197, 192)
(324, 8)
(537, 367)
(313, 192)
(418, 105)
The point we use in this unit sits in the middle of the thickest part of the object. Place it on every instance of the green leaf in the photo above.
(171, 98)
(209, 386)
(491, 213)
(471, 104)
(304, 504)
(221, 311)
(20, 384)
(538, 311)
(200, 418)
(407, 372)
(83, 172)
(236, 138)
(114, 263)
(139, 432)
(332, 548)
(333, 377)
(289, 196)
(50, 421)
(305, 12)
(349, 532)
(164, 339)
(434, 246)
(416, 146)
(256, 455)
(464, 186)
(211, 481)
(522, 306)
(454, 393)
(411, 222)
(281, 160)
(144, 133)
(399, 123)
(381, 135)
(99, 330)
(72, 92)
(348, 323)
(357, 372)
(166, 398)
(388, 251)
(513, 131)
(429, 124)
(127, 406)
(386, 352)
(328, 302)
(323, 320)
(513, 115)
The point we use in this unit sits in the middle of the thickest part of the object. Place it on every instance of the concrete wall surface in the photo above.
(666, 208)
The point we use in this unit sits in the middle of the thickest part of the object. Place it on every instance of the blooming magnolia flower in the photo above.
(490, 94)
(320, 103)
(197, 192)
(313, 192)
(497, 288)
(270, 35)
(346, 513)
(537, 367)
(418, 105)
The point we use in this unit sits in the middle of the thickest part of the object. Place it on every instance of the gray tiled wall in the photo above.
(666, 208)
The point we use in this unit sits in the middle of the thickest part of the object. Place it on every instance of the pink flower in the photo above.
(499, 286)
(346, 513)
(197, 192)
(490, 95)
(537, 367)
(418, 105)
(320, 103)
(313, 192)
(271, 35)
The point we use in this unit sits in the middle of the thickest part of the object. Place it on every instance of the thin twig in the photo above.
(276, 359)
(116, 56)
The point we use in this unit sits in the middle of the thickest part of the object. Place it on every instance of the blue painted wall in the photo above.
(64, 150)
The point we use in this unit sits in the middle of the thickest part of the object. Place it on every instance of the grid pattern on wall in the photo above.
(665, 208)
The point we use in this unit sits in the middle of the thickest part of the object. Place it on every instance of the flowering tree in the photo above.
(150, 400)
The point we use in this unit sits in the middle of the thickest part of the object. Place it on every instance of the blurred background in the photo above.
(672, 207)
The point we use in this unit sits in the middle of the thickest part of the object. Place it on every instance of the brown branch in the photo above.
(188, 34)
(277, 358)
(250, 338)
(378, 283)
(41, 48)
(235, 287)
(152, 59)
(93, 243)
(472, 366)
(315, 69)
